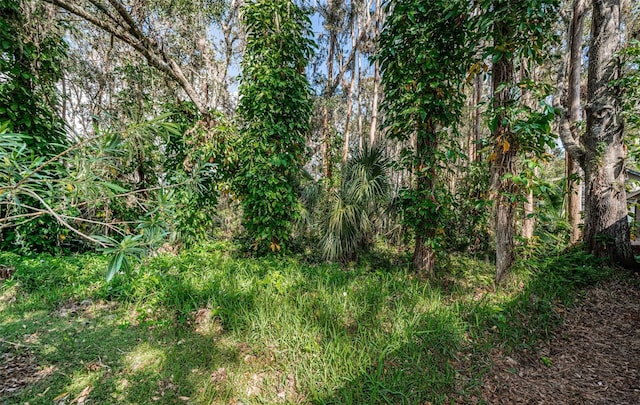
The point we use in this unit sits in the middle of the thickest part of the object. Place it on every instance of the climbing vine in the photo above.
(275, 109)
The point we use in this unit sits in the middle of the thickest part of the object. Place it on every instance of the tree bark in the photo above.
(426, 145)
(328, 93)
(574, 110)
(376, 81)
(424, 257)
(474, 156)
(347, 124)
(528, 222)
(503, 161)
(606, 230)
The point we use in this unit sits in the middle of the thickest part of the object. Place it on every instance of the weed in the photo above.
(206, 327)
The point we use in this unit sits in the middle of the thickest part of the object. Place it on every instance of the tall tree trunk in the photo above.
(359, 103)
(347, 124)
(376, 81)
(606, 230)
(528, 220)
(424, 257)
(503, 161)
(574, 187)
(326, 124)
(474, 156)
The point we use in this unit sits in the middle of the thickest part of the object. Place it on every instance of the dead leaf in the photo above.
(83, 395)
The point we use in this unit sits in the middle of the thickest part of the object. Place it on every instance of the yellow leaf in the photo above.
(69, 187)
(62, 237)
(506, 146)
(492, 157)
(273, 246)
(61, 396)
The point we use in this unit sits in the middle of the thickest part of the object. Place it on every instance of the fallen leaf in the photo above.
(83, 395)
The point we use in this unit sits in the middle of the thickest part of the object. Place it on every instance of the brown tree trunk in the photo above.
(503, 162)
(424, 257)
(606, 230)
(574, 187)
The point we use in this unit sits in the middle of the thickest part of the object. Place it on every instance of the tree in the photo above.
(517, 32)
(275, 109)
(424, 56)
(574, 109)
(131, 26)
(601, 152)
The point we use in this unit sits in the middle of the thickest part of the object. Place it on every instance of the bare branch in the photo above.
(61, 220)
(129, 32)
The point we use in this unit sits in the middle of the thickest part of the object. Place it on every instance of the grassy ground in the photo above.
(207, 327)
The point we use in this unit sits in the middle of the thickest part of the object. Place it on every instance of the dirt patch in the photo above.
(19, 369)
(86, 308)
(6, 272)
(593, 358)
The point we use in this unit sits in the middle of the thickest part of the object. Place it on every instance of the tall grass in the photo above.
(214, 328)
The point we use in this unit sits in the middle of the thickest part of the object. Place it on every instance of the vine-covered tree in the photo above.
(424, 57)
(30, 67)
(517, 32)
(275, 109)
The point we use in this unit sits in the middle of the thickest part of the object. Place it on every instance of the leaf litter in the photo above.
(593, 358)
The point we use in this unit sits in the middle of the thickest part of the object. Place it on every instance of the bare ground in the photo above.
(593, 358)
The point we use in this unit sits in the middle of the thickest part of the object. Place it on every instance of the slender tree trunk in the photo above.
(503, 162)
(376, 81)
(477, 119)
(529, 222)
(574, 187)
(326, 130)
(424, 257)
(347, 129)
(606, 230)
(359, 103)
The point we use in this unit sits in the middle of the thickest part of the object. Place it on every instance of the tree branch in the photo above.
(571, 145)
(126, 29)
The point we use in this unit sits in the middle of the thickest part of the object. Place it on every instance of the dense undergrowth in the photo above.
(209, 327)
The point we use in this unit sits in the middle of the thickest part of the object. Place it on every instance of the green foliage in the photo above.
(520, 31)
(346, 217)
(84, 192)
(630, 85)
(363, 336)
(527, 25)
(274, 109)
(424, 56)
(30, 68)
(468, 228)
(198, 162)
